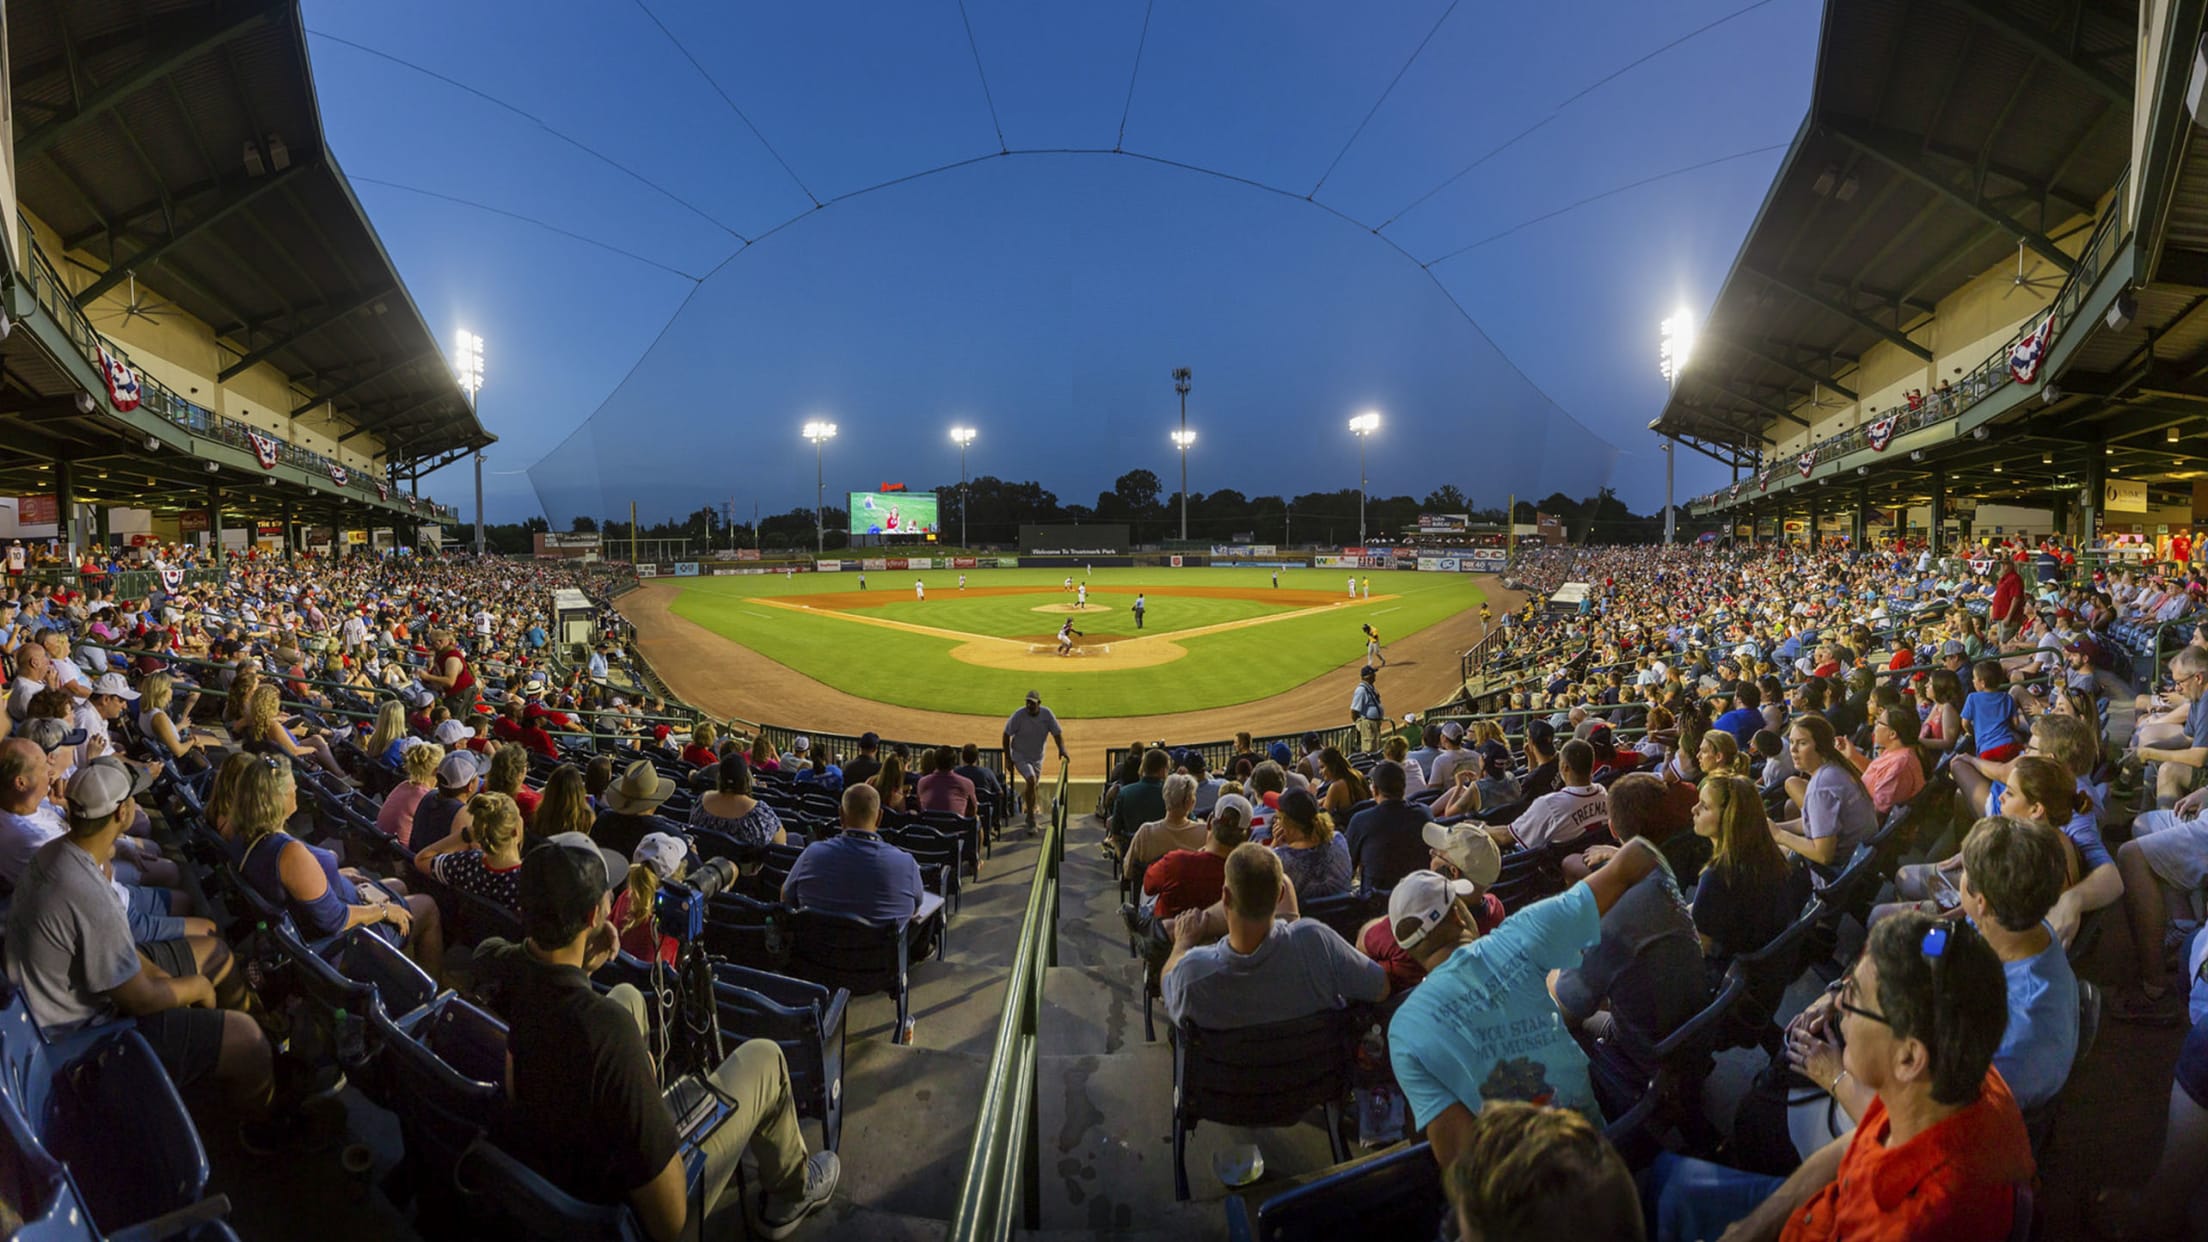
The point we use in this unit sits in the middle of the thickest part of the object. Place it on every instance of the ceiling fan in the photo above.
(2031, 279)
(139, 305)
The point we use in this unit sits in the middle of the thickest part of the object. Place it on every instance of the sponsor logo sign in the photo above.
(190, 521)
(1264, 549)
(1175, 562)
(828, 567)
(2122, 495)
(1444, 522)
(920, 562)
(1230, 549)
(1437, 564)
(726, 573)
(46, 511)
(1486, 560)
(897, 562)
(1324, 561)
(686, 569)
(873, 563)
(964, 562)
(747, 554)
(647, 571)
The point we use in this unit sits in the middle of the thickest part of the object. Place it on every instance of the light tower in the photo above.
(1362, 427)
(819, 433)
(962, 436)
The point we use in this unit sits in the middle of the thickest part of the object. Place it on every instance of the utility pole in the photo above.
(632, 532)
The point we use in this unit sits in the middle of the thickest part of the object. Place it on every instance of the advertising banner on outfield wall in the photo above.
(828, 567)
(1174, 561)
(747, 554)
(996, 562)
(1437, 564)
(730, 572)
(1264, 549)
(1333, 562)
(872, 563)
(686, 569)
(1485, 560)
(963, 562)
(896, 562)
(1230, 549)
(920, 562)
(647, 571)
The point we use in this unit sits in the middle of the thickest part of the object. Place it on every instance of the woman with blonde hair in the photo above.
(483, 858)
(1313, 856)
(509, 766)
(264, 732)
(222, 796)
(418, 763)
(245, 679)
(1749, 892)
(660, 858)
(306, 882)
(1396, 749)
(700, 751)
(1719, 755)
(155, 694)
(390, 730)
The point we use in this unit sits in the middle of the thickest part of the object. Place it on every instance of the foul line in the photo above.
(1022, 644)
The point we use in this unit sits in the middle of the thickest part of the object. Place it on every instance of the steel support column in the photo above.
(65, 505)
(1937, 517)
(1861, 535)
(214, 521)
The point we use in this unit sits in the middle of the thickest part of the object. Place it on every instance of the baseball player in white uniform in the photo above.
(1353, 586)
(1081, 596)
(919, 591)
(962, 582)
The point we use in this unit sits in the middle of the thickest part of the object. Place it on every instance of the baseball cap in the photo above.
(1034, 696)
(663, 852)
(1421, 896)
(801, 742)
(101, 786)
(1453, 731)
(1235, 804)
(460, 767)
(1952, 647)
(450, 733)
(562, 883)
(2079, 646)
(114, 684)
(51, 735)
(1278, 752)
(1468, 848)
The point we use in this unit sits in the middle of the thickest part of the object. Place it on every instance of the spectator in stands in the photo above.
(1024, 732)
(418, 765)
(263, 731)
(1384, 839)
(69, 948)
(1341, 787)
(631, 806)
(699, 752)
(762, 756)
(1482, 1025)
(731, 809)
(1941, 1150)
(1187, 879)
(1749, 892)
(862, 767)
(821, 770)
(1442, 771)
(987, 785)
(1313, 856)
(889, 782)
(1208, 786)
(1429, 748)
(1174, 831)
(1541, 762)
(459, 778)
(1265, 969)
(1533, 1172)
(449, 675)
(306, 882)
(1991, 713)
(565, 806)
(856, 872)
(1460, 852)
(169, 740)
(2006, 613)
(31, 817)
(483, 858)
(2176, 740)
(659, 858)
(586, 1110)
(1898, 771)
(509, 767)
(943, 789)
(1644, 977)
(1746, 716)
(1398, 751)
(1943, 724)
(1580, 807)
(1140, 802)
(1836, 814)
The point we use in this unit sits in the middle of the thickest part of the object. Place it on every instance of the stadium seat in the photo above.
(806, 1020)
(848, 952)
(748, 932)
(511, 1195)
(1346, 912)
(2039, 1122)
(444, 1077)
(1272, 1074)
(127, 1174)
(401, 987)
(37, 1189)
(1396, 1194)
(1683, 1059)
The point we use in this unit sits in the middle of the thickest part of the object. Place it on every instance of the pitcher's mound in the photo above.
(1040, 654)
(1079, 610)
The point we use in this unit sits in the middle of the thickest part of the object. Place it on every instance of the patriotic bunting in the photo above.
(264, 449)
(1806, 463)
(1880, 433)
(337, 474)
(122, 382)
(2030, 350)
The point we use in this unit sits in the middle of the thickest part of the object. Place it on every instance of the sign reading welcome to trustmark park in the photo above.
(2126, 496)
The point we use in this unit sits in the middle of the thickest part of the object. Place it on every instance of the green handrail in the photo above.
(1002, 1186)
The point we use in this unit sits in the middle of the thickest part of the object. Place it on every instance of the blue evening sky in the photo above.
(1044, 298)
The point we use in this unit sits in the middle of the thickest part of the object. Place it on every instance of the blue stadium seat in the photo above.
(748, 932)
(445, 1077)
(845, 951)
(1272, 1074)
(806, 1020)
(1396, 1194)
(116, 1120)
(37, 1188)
(513, 1195)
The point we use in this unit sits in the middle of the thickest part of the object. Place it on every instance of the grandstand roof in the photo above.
(1939, 138)
(181, 139)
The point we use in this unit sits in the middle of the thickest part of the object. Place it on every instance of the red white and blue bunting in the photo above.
(122, 382)
(337, 474)
(1880, 433)
(383, 490)
(172, 580)
(1806, 463)
(2030, 350)
(264, 449)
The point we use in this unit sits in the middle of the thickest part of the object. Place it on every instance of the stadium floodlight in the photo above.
(962, 436)
(1675, 345)
(1183, 380)
(819, 433)
(467, 367)
(1362, 427)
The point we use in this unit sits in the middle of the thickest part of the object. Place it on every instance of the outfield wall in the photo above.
(1058, 539)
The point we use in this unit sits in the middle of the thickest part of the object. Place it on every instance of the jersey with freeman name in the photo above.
(1565, 815)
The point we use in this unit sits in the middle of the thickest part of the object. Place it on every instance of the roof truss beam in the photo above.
(240, 197)
(182, 44)
(1903, 154)
(1890, 335)
(2093, 76)
(1771, 354)
(358, 382)
(255, 357)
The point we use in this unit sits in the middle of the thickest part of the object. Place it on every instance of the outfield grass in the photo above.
(916, 670)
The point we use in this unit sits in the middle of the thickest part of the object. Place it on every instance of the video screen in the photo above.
(893, 513)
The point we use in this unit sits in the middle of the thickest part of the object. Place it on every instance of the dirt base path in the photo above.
(726, 678)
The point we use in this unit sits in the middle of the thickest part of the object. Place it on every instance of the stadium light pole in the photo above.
(1672, 351)
(467, 365)
(962, 436)
(1362, 427)
(819, 433)
(1183, 380)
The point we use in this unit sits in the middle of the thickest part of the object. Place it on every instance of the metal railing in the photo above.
(1984, 380)
(1002, 1187)
(125, 584)
(1218, 754)
(39, 275)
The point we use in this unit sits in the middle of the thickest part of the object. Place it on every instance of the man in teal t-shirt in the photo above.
(1483, 1025)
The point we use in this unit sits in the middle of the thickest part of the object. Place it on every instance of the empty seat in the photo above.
(1396, 1194)
(845, 951)
(115, 1119)
(1273, 1074)
(512, 1196)
(445, 1079)
(806, 1020)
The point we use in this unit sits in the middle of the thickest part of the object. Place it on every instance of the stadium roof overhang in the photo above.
(183, 143)
(1941, 139)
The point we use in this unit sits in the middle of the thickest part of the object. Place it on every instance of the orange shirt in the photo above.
(1956, 1182)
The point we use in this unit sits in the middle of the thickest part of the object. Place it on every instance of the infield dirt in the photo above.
(726, 678)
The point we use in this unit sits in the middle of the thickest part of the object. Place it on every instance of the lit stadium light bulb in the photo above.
(962, 436)
(1677, 344)
(1366, 423)
(1184, 439)
(467, 362)
(818, 431)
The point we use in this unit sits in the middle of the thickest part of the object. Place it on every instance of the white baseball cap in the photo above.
(451, 733)
(663, 852)
(1425, 897)
(1468, 848)
(114, 684)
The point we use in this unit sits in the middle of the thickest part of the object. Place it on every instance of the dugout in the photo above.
(1069, 539)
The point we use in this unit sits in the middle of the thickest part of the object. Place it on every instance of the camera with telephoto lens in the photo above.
(680, 907)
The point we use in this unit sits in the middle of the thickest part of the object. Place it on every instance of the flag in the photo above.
(264, 449)
(1806, 463)
(2030, 350)
(122, 382)
(1880, 433)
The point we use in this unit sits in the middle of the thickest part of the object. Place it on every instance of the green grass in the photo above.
(916, 670)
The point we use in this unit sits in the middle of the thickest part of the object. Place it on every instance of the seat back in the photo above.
(366, 958)
(127, 1173)
(1344, 912)
(748, 932)
(846, 951)
(442, 1105)
(1265, 1075)
(804, 1019)
(513, 1195)
(1394, 1195)
(37, 1188)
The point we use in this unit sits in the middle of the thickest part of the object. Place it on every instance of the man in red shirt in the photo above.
(2007, 611)
(1193, 879)
(1941, 1151)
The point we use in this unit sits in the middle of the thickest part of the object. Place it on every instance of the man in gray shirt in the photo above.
(1023, 746)
(1266, 969)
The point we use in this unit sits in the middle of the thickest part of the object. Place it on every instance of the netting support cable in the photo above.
(1373, 111)
(740, 114)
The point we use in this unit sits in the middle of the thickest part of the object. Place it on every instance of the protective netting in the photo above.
(1047, 311)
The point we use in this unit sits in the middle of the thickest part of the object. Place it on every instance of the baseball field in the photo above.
(1208, 638)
